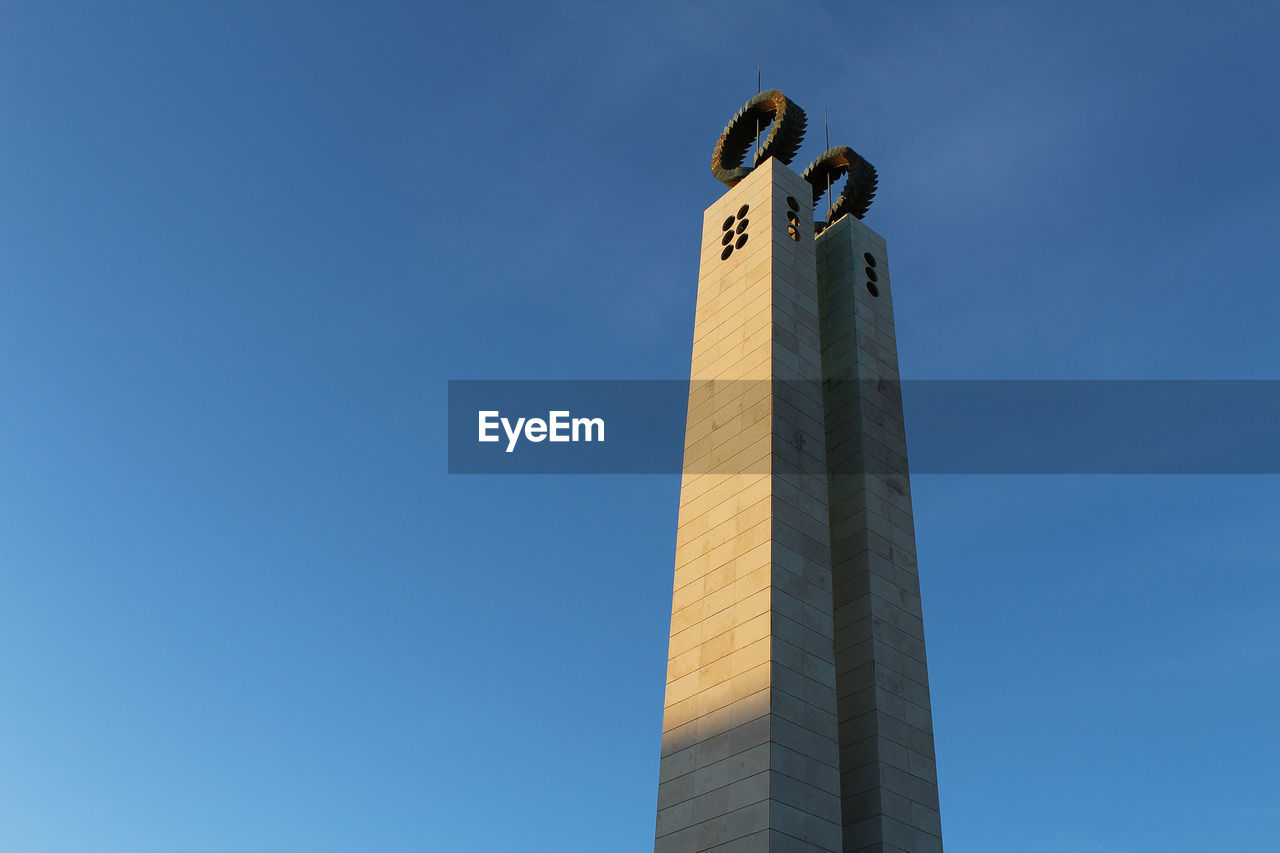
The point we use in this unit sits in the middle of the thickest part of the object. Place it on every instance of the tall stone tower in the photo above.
(797, 712)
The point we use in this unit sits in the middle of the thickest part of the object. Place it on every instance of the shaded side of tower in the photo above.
(888, 775)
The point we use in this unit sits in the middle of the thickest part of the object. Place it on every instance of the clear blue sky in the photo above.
(243, 246)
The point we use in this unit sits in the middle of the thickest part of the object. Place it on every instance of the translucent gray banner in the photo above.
(952, 426)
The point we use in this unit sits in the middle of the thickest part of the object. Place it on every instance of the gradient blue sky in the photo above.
(243, 246)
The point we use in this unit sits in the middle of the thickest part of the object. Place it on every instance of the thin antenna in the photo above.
(826, 139)
(755, 161)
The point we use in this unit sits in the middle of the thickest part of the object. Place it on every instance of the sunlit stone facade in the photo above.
(797, 712)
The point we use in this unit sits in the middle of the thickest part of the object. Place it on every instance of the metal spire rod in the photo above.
(755, 160)
(826, 146)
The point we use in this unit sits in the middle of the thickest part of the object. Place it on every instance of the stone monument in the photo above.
(797, 713)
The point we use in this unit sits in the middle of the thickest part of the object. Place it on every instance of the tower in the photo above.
(796, 715)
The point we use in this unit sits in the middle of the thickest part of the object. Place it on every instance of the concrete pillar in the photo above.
(888, 779)
(749, 752)
(797, 712)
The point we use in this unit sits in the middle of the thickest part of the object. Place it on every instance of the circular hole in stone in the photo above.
(742, 226)
(742, 211)
(728, 224)
(792, 203)
(728, 250)
(871, 274)
(742, 241)
(866, 256)
(872, 289)
(728, 238)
